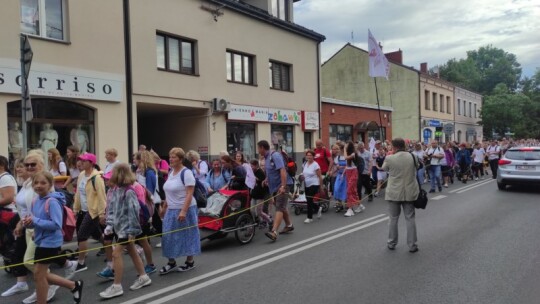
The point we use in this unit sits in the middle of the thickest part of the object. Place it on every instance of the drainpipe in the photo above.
(419, 111)
(319, 87)
(129, 81)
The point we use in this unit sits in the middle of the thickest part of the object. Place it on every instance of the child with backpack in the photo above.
(123, 218)
(47, 221)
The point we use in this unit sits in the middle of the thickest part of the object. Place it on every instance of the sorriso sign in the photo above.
(62, 85)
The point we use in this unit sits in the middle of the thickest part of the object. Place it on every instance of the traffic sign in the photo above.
(448, 128)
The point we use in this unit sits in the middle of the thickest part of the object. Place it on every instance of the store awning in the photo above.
(366, 126)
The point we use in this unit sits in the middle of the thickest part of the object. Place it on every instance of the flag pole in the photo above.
(379, 110)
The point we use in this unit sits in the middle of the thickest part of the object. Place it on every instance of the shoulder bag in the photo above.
(422, 199)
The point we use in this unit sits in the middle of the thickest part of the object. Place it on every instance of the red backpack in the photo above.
(69, 222)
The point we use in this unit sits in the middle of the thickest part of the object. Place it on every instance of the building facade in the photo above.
(437, 107)
(345, 77)
(76, 81)
(468, 106)
(207, 75)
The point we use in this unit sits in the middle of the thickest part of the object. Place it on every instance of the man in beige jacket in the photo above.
(401, 191)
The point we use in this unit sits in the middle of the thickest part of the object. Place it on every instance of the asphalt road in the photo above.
(477, 245)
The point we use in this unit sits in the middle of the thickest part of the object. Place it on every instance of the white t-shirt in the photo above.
(203, 171)
(479, 155)
(175, 190)
(432, 152)
(493, 152)
(24, 198)
(310, 174)
(61, 168)
(82, 194)
(110, 166)
(7, 180)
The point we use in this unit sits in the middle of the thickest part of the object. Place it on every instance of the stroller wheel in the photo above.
(325, 206)
(297, 211)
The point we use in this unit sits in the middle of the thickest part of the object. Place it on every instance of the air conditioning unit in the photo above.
(221, 105)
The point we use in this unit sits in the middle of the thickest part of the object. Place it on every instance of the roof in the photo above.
(355, 104)
(264, 16)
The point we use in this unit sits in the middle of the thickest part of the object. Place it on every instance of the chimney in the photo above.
(396, 56)
(423, 67)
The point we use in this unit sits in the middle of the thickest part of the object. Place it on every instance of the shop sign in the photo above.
(248, 113)
(62, 85)
(284, 116)
(310, 120)
(203, 150)
(434, 123)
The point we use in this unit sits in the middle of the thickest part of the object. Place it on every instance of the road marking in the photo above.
(474, 186)
(438, 197)
(469, 186)
(224, 277)
(250, 260)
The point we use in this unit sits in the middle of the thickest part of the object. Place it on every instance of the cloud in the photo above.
(428, 31)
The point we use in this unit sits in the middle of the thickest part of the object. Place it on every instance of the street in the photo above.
(476, 246)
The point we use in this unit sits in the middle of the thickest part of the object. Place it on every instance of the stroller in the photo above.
(299, 201)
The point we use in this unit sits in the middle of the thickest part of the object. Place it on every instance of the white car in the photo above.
(520, 165)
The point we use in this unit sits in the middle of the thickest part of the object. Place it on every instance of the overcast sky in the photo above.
(428, 31)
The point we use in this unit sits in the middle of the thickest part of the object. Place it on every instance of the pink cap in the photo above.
(107, 175)
(88, 157)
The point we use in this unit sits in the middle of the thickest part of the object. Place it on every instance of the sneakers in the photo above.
(140, 282)
(446, 185)
(150, 269)
(69, 271)
(287, 229)
(112, 291)
(158, 245)
(81, 267)
(77, 291)
(349, 212)
(319, 213)
(31, 299)
(187, 266)
(376, 194)
(167, 268)
(15, 289)
(107, 273)
(476, 179)
(308, 221)
(50, 294)
(359, 209)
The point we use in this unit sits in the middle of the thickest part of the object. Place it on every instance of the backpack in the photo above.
(199, 193)
(144, 211)
(290, 164)
(69, 222)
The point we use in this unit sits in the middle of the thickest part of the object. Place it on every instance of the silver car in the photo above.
(520, 165)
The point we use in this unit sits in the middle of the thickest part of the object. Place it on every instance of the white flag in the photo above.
(378, 64)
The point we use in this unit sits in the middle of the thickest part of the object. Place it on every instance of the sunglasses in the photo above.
(30, 165)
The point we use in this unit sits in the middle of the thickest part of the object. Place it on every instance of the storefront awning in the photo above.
(366, 126)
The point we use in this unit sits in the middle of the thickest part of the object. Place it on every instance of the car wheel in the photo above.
(501, 186)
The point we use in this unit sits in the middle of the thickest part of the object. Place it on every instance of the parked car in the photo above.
(519, 165)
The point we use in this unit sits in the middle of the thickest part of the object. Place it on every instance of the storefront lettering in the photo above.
(53, 84)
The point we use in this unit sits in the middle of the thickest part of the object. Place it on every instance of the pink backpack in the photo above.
(69, 222)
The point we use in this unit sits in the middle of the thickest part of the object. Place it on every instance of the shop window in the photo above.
(241, 137)
(239, 67)
(282, 137)
(340, 132)
(280, 76)
(56, 124)
(308, 139)
(45, 18)
(376, 134)
(175, 54)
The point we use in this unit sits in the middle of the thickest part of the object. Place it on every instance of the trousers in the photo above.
(394, 211)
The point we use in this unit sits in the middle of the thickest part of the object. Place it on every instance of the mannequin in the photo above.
(79, 138)
(15, 141)
(48, 137)
(247, 145)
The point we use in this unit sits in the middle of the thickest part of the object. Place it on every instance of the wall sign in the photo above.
(248, 113)
(284, 116)
(310, 121)
(62, 85)
(434, 123)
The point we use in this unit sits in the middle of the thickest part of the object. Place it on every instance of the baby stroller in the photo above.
(299, 200)
(8, 221)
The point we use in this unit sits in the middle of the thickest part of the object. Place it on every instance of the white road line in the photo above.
(469, 186)
(191, 289)
(244, 262)
(474, 186)
(438, 197)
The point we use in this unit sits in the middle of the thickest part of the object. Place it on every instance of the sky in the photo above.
(427, 31)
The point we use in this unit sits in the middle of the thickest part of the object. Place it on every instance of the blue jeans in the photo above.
(420, 175)
(435, 175)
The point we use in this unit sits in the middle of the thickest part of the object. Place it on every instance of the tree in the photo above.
(483, 69)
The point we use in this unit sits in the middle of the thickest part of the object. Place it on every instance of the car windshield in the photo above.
(523, 155)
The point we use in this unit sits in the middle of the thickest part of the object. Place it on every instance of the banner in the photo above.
(378, 64)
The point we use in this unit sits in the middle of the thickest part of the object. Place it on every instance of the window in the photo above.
(470, 109)
(448, 105)
(464, 108)
(459, 106)
(426, 100)
(434, 101)
(175, 54)
(282, 137)
(239, 67)
(475, 112)
(280, 9)
(441, 103)
(340, 132)
(459, 136)
(280, 76)
(241, 137)
(45, 18)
